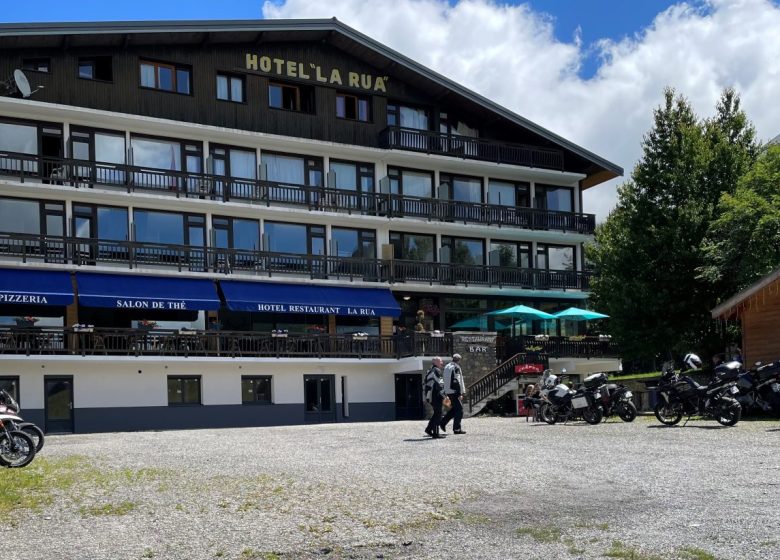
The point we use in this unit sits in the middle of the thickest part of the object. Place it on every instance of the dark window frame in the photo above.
(393, 110)
(396, 173)
(255, 401)
(175, 78)
(229, 76)
(26, 62)
(189, 219)
(311, 234)
(310, 164)
(227, 224)
(95, 62)
(400, 235)
(363, 235)
(544, 187)
(184, 148)
(544, 248)
(519, 186)
(362, 170)
(14, 379)
(521, 247)
(448, 179)
(356, 99)
(304, 104)
(180, 379)
(454, 238)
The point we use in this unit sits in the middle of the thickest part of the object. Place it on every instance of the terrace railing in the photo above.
(183, 184)
(134, 254)
(560, 346)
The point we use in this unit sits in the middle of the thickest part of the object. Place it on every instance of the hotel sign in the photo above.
(315, 73)
(324, 309)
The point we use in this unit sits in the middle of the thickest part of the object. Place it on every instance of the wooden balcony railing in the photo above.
(466, 147)
(229, 344)
(84, 174)
(134, 254)
(559, 346)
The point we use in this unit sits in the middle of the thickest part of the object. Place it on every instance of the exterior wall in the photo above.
(111, 394)
(761, 329)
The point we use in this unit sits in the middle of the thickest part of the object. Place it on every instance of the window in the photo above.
(505, 193)
(549, 197)
(463, 189)
(230, 88)
(407, 117)
(183, 390)
(32, 217)
(292, 171)
(555, 257)
(353, 243)
(20, 138)
(413, 247)
(11, 386)
(236, 233)
(256, 389)
(460, 250)
(349, 176)
(165, 77)
(410, 183)
(510, 254)
(100, 222)
(96, 68)
(37, 64)
(297, 239)
(291, 98)
(352, 107)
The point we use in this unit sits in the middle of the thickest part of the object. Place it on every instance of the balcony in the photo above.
(179, 184)
(466, 147)
(17, 247)
(559, 346)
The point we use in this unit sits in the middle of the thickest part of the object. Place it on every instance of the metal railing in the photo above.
(134, 254)
(99, 341)
(466, 147)
(487, 385)
(559, 346)
(87, 174)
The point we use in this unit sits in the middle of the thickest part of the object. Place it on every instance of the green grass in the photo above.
(33, 487)
(635, 376)
(619, 550)
(693, 553)
(122, 508)
(541, 534)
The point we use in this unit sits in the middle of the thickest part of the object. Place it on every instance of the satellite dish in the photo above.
(22, 84)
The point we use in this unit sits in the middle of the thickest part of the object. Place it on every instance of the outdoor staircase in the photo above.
(499, 381)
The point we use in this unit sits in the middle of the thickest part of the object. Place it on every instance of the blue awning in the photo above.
(35, 287)
(122, 291)
(301, 298)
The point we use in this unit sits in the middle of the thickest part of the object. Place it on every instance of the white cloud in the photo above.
(510, 55)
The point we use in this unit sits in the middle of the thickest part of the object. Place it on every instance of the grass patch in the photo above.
(541, 534)
(599, 526)
(33, 487)
(251, 554)
(693, 553)
(767, 543)
(122, 508)
(619, 550)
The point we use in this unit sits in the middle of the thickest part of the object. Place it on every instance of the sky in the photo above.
(591, 71)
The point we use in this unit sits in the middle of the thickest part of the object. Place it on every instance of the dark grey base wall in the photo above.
(121, 419)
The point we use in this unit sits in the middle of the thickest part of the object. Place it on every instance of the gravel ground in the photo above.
(506, 489)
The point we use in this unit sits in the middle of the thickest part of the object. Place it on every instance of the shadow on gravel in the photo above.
(773, 430)
(694, 427)
(419, 439)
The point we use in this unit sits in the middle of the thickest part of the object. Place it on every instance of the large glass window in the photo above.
(289, 238)
(96, 68)
(156, 153)
(555, 257)
(353, 176)
(353, 243)
(236, 233)
(354, 107)
(100, 222)
(505, 193)
(463, 189)
(413, 247)
(291, 97)
(461, 250)
(230, 88)
(510, 254)
(159, 227)
(285, 169)
(109, 148)
(20, 216)
(550, 197)
(256, 389)
(407, 117)
(19, 138)
(183, 390)
(409, 182)
(165, 76)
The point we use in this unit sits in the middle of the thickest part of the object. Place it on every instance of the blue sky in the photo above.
(595, 19)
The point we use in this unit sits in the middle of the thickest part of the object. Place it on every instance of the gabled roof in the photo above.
(62, 35)
(729, 307)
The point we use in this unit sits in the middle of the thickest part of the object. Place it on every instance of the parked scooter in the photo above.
(759, 388)
(11, 408)
(563, 404)
(679, 396)
(615, 399)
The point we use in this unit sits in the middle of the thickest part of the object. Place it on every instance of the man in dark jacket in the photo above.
(455, 389)
(434, 394)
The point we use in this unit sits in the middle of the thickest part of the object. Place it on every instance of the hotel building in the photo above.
(244, 223)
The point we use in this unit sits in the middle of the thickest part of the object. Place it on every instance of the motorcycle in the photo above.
(759, 388)
(11, 408)
(615, 399)
(16, 448)
(563, 404)
(680, 395)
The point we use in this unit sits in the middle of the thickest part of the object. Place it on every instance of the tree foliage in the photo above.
(649, 250)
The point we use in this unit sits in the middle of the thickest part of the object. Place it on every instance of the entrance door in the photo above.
(408, 396)
(59, 404)
(319, 396)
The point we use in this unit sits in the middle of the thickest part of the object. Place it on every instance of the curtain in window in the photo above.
(417, 184)
(501, 193)
(467, 190)
(285, 169)
(222, 87)
(242, 164)
(346, 175)
(413, 118)
(147, 75)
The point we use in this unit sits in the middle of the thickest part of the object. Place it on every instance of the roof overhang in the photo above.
(729, 307)
(332, 31)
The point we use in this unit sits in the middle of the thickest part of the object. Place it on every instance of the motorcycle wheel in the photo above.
(593, 415)
(35, 433)
(16, 451)
(729, 412)
(627, 412)
(668, 414)
(547, 413)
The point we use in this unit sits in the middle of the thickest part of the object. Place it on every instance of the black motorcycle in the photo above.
(679, 395)
(562, 404)
(615, 399)
(759, 388)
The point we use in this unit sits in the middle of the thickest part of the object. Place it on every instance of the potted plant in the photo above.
(146, 324)
(27, 321)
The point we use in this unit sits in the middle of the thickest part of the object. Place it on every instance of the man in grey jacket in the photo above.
(455, 389)
(434, 395)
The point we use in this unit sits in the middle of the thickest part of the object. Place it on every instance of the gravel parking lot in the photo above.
(506, 489)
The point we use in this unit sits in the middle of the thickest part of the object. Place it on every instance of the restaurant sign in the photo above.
(150, 304)
(323, 309)
(315, 73)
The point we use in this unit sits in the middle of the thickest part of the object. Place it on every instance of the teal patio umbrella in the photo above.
(479, 322)
(522, 312)
(576, 314)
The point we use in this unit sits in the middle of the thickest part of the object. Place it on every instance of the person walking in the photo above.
(434, 395)
(455, 389)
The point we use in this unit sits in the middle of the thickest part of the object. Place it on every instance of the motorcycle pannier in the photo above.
(595, 380)
(727, 372)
